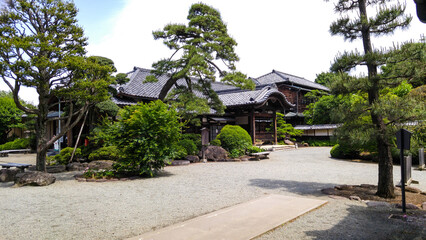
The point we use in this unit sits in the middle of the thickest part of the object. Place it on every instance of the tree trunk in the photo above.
(41, 130)
(385, 186)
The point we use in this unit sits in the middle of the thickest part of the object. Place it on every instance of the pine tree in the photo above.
(353, 24)
(204, 47)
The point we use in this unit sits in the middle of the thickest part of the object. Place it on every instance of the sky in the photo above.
(289, 36)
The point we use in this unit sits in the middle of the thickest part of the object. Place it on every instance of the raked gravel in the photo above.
(69, 209)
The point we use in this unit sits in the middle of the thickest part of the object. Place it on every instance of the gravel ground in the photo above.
(116, 210)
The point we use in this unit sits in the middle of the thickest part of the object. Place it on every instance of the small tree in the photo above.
(145, 134)
(285, 130)
(42, 47)
(202, 46)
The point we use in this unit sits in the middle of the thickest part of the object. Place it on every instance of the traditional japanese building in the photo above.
(255, 110)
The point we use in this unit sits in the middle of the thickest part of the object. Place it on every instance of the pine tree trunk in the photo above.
(385, 186)
(41, 130)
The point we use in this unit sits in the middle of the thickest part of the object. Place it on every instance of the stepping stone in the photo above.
(243, 221)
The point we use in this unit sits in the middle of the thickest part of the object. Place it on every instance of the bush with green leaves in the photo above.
(234, 139)
(194, 137)
(254, 149)
(105, 153)
(63, 158)
(146, 136)
(215, 142)
(19, 143)
(189, 146)
(343, 151)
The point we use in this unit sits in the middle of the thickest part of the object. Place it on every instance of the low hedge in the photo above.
(19, 143)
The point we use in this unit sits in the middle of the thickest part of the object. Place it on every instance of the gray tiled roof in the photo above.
(244, 97)
(122, 102)
(280, 77)
(229, 95)
(317, 127)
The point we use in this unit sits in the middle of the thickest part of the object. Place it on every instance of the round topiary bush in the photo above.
(234, 139)
(189, 146)
(342, 151)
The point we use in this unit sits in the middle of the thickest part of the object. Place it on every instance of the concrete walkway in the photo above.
(243, 221)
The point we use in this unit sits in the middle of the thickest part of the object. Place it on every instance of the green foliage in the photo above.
(105, 153)
(196, 138)
(215, 142)
(343, 151)
(234, 139)
(100, 174)
(189, 146)
(19, 143)
(285, 130)
(145, 134)
(63, 158)
(199, 44)
(254, 149)
(325, 78)
(326, 109)
(43, 47)
(379, 109)
(108, 107)
(10, 116)
(407, 62)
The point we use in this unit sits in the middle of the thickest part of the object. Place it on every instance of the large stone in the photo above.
(56, 168)
(377, 204)
(34, 179)
(192, 158)
(8, 175)
(288, 142)
(101, 164)
(407, 206)
(215, 153)
(76, 166)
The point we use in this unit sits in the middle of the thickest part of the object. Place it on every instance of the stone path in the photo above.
(243, 221)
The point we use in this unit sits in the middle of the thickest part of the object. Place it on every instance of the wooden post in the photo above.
(275, 129)
(253, 127)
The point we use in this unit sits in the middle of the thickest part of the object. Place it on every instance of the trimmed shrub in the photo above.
(195, 138)
(342, 151)
(189, 146)
(234, 139)
(19, 143)
(64, 156)
(105, 153)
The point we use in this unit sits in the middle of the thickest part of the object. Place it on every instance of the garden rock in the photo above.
(56, 168)
(101, 164)
(8, 175)
(408, 206)
(288, 142)
(34, 179)
(377, 204)
(355, 198)
(192, 158)
(75, 166)
(215, 153)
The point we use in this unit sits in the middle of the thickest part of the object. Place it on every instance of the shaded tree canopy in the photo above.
(200, 49)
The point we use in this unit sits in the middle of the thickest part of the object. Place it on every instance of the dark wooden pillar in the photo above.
(275, 129)
(253, 126)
